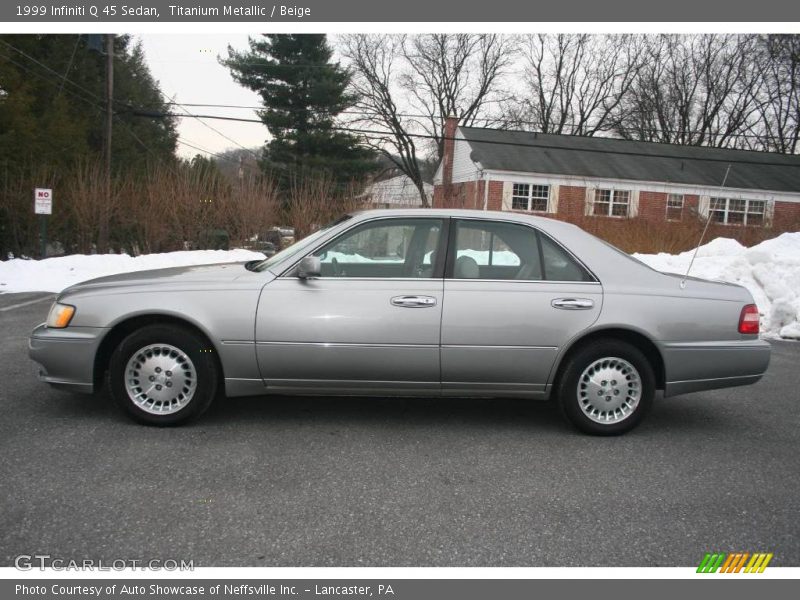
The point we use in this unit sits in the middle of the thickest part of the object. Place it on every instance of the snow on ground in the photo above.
(55, 274)
(770, 270)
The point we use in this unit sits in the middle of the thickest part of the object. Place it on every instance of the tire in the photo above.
(606, 387)
(177, 361)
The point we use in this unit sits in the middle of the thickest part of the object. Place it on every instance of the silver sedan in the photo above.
(408, 303)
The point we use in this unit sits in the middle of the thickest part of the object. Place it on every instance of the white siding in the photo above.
(633, 207)
(769, 213)
(508, 190)
(398, 191)
(463, 167)
(552, 205)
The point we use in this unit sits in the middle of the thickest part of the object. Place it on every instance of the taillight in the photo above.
(748, 320)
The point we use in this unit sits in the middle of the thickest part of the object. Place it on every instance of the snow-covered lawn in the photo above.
(770, 270)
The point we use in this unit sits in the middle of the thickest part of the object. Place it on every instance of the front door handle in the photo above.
(572, 303)
(413, 301)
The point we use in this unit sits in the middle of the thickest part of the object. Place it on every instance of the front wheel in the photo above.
(606, 387)
(163, 375)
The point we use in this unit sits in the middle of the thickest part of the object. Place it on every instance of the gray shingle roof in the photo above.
(524, 151)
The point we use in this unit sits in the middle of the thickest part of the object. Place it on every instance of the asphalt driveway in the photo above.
(394, 482)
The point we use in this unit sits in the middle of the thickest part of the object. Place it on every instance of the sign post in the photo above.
(43, 206)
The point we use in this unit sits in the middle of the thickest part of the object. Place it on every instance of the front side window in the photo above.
(298, 247)
(737, 211)
(508, 251)
(674, 207)
(611, 203)
(529, 197)
(388, 248)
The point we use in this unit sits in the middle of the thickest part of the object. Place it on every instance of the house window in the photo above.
(674, 207)
(737, 211)
(531, 198)
(612, 203)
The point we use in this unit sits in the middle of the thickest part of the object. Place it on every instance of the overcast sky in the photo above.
(187, 69)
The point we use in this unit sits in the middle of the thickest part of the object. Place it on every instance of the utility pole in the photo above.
(103, 234)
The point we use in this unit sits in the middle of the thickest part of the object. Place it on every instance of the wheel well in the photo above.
(124, 328)
(634, 338)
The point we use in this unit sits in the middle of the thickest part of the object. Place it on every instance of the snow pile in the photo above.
(770, 270)
(55, 274)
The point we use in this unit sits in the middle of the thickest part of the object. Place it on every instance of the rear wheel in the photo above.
(606, 387)
(163, 375)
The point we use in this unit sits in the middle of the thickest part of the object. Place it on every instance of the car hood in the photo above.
(212, 276)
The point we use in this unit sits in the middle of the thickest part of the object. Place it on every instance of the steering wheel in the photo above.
(337, 270)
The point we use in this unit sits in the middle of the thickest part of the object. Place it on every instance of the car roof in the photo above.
(553, 226)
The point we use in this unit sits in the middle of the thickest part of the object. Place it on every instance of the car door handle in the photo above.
(572, 303)
(414, 301)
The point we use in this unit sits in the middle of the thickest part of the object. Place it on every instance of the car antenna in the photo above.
(703, 234)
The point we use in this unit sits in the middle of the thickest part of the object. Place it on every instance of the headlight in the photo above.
(60, 315)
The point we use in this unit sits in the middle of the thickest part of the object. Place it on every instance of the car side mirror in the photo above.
(309, 268)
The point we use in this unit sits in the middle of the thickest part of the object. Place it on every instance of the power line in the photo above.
(361, 131)
(183, 142)
(69, 65)
(98, 105)
(46, 79)
(385, 133)
(217, 131)
(494, 120)
(64, 78)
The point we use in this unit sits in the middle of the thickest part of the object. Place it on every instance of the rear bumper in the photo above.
(697, 366)
(66, 356)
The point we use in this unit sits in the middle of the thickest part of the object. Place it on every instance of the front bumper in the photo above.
(696, 366)
(66, 356)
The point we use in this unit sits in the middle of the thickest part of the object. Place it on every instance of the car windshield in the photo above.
(297, 247)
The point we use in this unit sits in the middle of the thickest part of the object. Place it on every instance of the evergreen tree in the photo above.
(302, 92)
(47, 119)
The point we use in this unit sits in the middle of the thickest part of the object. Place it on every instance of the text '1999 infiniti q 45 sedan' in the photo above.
(408, 302)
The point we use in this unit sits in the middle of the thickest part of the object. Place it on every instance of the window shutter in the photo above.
(508, 190)
(552, 204)
(633, 206)
(589, 204)
(703, 206)
(769, 212)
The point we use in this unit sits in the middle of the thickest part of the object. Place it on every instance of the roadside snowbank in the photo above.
(770, 270)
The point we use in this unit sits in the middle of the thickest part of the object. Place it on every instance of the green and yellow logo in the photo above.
(734, 562)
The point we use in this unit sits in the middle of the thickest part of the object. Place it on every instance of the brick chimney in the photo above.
(450, 126)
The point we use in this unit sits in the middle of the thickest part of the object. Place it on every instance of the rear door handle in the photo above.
(572, 303)
(413, 301)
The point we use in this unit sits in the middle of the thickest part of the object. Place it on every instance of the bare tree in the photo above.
(778, 123)
(431, 76)
(455, 75)
(574, 83)
(693, 90)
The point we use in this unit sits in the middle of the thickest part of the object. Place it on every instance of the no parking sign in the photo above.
(43, 201)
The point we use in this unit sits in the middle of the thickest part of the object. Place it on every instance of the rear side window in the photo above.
(559, 265)
(493, 250)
